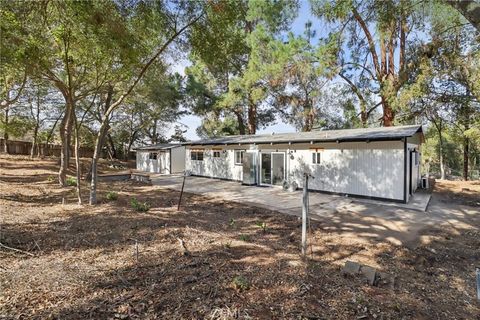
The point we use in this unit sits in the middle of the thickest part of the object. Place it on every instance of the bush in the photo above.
(112, 196)
(244, 237)
(240, 283)
(139, 206)
(262, 225)
(71, 181)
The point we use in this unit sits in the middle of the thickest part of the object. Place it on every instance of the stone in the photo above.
(351, 268)
(385, 280)
(369, 273)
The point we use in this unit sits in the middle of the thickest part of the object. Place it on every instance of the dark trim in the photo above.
(405, 171)
(298, 142)
(170, 161)
(354, 195)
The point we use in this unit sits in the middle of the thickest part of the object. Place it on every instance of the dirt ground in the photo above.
(210, 260)
(462, 192)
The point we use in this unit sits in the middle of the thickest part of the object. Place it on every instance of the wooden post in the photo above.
(478, 283)
(181, 192)
(304, 215)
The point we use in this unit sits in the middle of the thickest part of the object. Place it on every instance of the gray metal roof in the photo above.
(344, 135)
(160, 146)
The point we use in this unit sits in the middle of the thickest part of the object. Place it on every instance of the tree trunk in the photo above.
(252, 117)
(5, 133)
(388, 114)
(112, 146)
(466, 143)
(77, 160)
(65, 134)
(96, 156)
(241, 124)
(35, 130)
(440, 155)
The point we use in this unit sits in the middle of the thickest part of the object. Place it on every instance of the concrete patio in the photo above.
(360, 219)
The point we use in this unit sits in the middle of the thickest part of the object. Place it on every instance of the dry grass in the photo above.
(86, 266)
(463, 192)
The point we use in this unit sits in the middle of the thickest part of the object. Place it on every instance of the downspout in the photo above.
(405, 170)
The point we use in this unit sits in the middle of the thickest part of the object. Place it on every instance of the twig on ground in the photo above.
(183, 247)
(16, 250)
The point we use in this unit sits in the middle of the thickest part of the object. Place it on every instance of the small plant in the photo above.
(227, 245)
(139, 206)
(239, 283)
(244, 237)
(71, 181)
(112, 196)
(262, 225)
(231, 223)
(51, 178)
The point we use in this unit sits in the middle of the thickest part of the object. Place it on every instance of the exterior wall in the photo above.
(222, 168)
(374, 169)
(177, 156)
(413, 143)
(160, 165)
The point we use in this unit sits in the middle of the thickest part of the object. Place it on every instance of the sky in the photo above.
(191, 122)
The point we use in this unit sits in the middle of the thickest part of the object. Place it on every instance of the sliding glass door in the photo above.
(272, 168)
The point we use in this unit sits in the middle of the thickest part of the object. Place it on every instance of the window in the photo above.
(196, 155)
(316, 157)
(239, 157)
(152, 156)
(216, 154)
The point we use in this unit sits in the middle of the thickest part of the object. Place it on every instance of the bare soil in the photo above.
(212, 259)
(461, 192)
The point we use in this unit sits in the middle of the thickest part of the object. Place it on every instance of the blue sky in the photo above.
(191, 122)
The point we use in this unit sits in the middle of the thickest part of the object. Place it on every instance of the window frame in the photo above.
(242, 153)
(195, 155)
(316, 157)
(216, 154)
(153, 156)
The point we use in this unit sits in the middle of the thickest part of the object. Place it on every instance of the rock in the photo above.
(369, 273)
(351, 268)
(385, 280)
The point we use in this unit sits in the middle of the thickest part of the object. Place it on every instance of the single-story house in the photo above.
(378, 163)
(165, 158)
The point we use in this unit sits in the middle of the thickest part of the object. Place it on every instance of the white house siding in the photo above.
(223, 167)
(160, 165)
(374, 169)
(178, 160)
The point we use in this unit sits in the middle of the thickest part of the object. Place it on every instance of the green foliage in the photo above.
(262, 225)
(71, 181)
(240, 283)
(139, 206)
(245, 237)
(51, 178)
(111, 196)
(231, 223)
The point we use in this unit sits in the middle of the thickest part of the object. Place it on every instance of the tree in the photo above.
(374, 40)
(229, 58)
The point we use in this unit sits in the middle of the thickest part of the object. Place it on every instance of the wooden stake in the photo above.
(181, 192)
(478, 283)
(304, 215)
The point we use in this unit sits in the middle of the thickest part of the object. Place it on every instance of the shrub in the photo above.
(71, 181)
(112, 196)
(263, 225)
(244, 237)
(240, 283)
(139, 206)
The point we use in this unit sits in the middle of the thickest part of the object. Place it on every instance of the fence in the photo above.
(25, 147)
